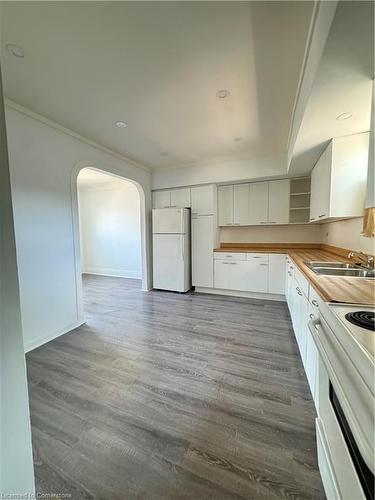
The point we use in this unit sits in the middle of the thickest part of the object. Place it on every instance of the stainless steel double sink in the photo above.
(340, 269)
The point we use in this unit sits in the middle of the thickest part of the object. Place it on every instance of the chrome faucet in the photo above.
(362, 260)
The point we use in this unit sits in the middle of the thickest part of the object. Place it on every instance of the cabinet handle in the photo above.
(311, 316)
(224, 263)
(233, 263)
(229, 223)
(289, 273)
(236, 224)
(264, 222)
(312, 218)
(323, 215)
(315, 303)
(298, 290)
(263, 264)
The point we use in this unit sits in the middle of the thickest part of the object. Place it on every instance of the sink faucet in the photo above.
(361, 259)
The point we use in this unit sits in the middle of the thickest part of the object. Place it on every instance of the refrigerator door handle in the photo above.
(182, 247)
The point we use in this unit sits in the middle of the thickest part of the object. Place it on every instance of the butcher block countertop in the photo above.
(330, 288)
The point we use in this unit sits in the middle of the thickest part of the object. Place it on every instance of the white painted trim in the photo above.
(237, 293)
(46, 121)
(43, 339)
(114, 273)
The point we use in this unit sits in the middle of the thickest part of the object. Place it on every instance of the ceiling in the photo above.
(158, 66)
(343, 84)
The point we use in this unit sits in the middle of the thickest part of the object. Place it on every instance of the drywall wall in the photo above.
(271, 234)
(109, 219)
(44, 163)
(16, 461)
(220, 171)
(347, 234)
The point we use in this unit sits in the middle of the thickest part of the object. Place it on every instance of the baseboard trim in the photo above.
(237, 293)
(39, 341)
(114, 273)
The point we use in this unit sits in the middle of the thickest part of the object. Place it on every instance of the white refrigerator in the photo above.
(171, 249)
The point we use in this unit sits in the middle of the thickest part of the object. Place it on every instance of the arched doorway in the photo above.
(144, 238)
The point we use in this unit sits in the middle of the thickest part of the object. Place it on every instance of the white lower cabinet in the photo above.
(276, 273)
(249, 272)
(202, 244)
(221, 274)
(239, 275)
(303, 303)
(311, 364)
(257, 276)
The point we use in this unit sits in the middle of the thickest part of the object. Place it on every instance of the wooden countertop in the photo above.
(330, 288)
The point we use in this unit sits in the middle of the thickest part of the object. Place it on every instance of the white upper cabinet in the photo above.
(278, 201)
(161, 199)
(258, 203)
(180, 198)
(338, 180)
(321, 186)
(225, 205)
(241, 204)
(203, 200)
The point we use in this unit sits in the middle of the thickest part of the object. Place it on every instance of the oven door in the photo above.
(337, 465)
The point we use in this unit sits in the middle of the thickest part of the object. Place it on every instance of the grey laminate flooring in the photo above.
(168, 396)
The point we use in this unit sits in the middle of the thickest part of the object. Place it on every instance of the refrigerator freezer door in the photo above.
(169, 221)
(171, 259)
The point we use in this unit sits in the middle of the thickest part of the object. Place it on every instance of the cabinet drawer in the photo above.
(302, 281)
(315, 300)
(229, 256)
(257, 257)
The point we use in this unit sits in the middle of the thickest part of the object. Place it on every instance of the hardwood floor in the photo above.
(168, 396)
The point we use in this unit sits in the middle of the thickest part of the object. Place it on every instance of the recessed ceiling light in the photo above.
(222, 94)
(344, 116)
(238, 139)
(121, 124)
(163, 153)
(15, 49)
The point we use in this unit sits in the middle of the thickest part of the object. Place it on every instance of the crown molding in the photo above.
(50, 123)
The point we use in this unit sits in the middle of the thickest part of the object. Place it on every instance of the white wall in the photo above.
(271, 234)
(44, 163)
(347, 234)
(16, 460)
(109, 216)
(220, 171)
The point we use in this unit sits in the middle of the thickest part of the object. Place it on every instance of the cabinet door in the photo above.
(180, 198)
(278, 204)
(276, 273)
(257, 276)
(241, 204)
(321, 187)
(161, 199)
(238, 275)
(303, 318)
(311, 365)
(203, 200)
(202, 245)
(221, 274)
(225, 204)
(258, 203)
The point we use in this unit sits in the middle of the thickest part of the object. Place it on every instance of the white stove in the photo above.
(346, 398)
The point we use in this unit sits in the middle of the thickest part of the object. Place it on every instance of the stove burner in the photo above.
(365, 319)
